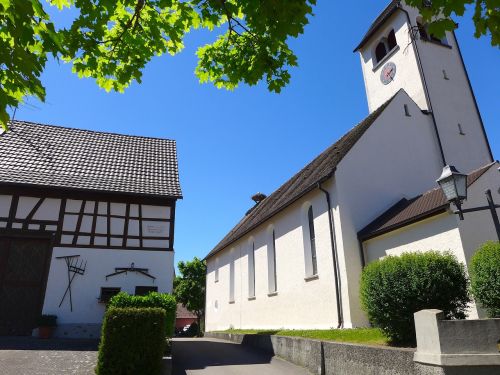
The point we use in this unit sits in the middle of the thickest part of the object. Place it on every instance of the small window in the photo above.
(312, 240)
(107, 294)
(145, 290)
(391, 40)
(380, 51)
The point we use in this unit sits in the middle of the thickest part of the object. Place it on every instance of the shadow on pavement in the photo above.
(34, 343)
(196, 354)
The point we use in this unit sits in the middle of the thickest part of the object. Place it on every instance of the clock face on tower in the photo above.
(388, 73)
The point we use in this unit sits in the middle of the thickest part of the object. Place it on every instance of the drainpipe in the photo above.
(426, 89)
(333, 240)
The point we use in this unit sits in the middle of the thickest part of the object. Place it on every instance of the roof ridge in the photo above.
(274, 203)
(90, 131)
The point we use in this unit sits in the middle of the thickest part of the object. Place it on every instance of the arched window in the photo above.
(231, 275)
(251, 268)
(216, 270)
(312, 240)
(380, 51)
(271, 263)
(391, 40)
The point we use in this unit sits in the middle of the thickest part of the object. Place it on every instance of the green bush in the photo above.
(132, 342)
(153, 299)
(485, 277)
(394, 288)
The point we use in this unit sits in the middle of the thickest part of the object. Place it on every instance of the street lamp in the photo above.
(454, 186)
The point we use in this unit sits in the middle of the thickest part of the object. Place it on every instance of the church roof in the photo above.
(379, 21)
(66, 158)
(408, 211)
(318, 170)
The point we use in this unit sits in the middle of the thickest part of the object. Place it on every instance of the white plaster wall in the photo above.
(100, 262)
(298, 303)
(438, 233)
(397, 157)
(453, 103)
(477, 227)
(451, 99)
(407, 74)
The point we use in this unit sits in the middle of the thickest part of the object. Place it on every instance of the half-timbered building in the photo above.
(83, 215)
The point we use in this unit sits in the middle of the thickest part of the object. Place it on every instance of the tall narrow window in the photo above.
(216, 270)
(271, 261)
(251, 270)
(312, 240)
(231, 276)
(391, 40)
(380, 51)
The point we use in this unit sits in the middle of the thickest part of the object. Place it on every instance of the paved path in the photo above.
(32, 356)
(219, 357)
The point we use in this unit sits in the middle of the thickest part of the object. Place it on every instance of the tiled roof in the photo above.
(319, 170)
(183, 313)
(379, 21)
(406, 211)
(53, 156)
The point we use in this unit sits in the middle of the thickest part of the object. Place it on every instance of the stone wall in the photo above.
(334, 358)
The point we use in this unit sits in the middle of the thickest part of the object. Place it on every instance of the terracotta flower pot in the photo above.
(45, 332)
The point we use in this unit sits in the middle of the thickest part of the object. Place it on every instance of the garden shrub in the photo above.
(395, 287)
(132, 342)
(153, 299)
(485, 277)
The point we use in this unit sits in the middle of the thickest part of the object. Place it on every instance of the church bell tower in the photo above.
(397, 53)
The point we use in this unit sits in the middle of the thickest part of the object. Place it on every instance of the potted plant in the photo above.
(46, 325)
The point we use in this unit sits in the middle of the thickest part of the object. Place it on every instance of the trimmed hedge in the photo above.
(485, 277)
(132, 342)
(153, 299)
(394, 288)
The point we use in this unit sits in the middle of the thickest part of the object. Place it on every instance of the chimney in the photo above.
(259, 197)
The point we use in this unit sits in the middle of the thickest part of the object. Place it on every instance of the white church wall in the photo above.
(298, 303)
(407, 73)
(452, 103)
(438, 233)
(86, 288)
(477, 227)
(397, 157)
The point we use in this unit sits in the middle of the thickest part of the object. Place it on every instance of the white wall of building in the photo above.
(477, 227)
(396, 158)
(407, 73)
(299, 303)
(100, 260)
(438, 233)
(451, 97)
(86, 288)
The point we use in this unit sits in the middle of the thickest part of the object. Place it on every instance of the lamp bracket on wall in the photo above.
(132, 268)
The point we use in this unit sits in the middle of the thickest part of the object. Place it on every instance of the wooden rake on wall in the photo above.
(75, 267)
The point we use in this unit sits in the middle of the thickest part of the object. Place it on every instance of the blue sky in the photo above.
(234, 144)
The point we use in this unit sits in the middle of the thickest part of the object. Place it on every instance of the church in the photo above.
(294, 260)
